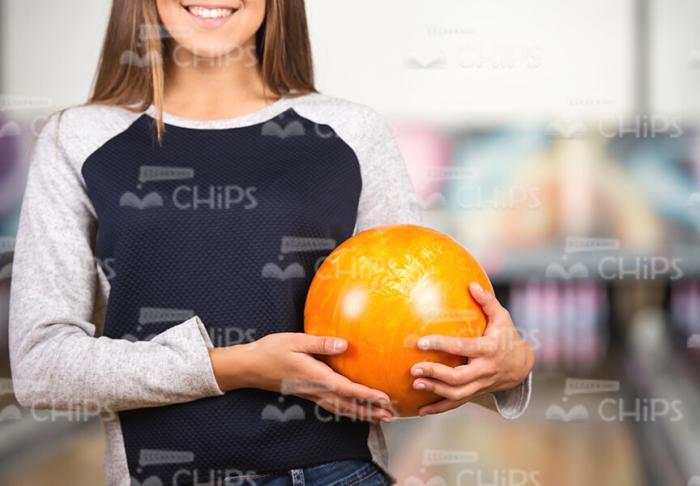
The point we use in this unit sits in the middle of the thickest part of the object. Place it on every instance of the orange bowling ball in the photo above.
(382, 290)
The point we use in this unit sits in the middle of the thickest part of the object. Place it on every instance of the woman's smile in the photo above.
(211, 28)
(211, 16)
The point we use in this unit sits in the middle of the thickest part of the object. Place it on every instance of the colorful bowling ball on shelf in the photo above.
(382, 290)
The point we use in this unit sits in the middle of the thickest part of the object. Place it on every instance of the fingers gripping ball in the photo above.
(382, 290)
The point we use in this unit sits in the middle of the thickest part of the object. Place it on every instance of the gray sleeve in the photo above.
(388, 197)
(56, 359)
(387, 194)
(511, 404)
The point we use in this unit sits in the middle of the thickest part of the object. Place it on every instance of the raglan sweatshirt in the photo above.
(133, 258)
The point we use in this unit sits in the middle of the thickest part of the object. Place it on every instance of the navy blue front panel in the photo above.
(228, 225)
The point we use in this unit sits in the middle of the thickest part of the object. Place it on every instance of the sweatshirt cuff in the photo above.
(511, 404)
(201, 342)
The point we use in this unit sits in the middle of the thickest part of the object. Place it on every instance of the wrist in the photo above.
(230, 366)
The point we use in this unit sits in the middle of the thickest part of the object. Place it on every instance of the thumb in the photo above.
(488, 302)
(329, 345)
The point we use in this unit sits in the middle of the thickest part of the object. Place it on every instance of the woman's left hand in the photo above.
(500, 360)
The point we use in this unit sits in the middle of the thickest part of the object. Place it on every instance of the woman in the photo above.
(178, 211)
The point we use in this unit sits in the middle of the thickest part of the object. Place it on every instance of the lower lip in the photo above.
(209, 23)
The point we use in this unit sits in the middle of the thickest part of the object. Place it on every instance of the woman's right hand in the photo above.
(284, 362)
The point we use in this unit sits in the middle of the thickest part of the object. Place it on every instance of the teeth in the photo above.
(214, 13)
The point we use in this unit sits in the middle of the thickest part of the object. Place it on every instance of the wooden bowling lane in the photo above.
(477, 447)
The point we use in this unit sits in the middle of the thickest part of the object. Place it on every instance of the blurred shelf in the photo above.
(549, 261)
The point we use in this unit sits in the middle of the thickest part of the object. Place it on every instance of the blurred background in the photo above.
(557, 140)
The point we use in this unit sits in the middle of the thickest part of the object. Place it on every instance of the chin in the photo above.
(213, 50)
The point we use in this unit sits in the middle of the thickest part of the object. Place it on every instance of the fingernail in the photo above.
(417, 371)
(340, 345)
(477, 287)
(424, 343)
(419, 386)
(387, 419)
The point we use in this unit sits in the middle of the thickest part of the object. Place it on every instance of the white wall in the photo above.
(675, 58)
(494, 60)
(50, 47)
(484, 60)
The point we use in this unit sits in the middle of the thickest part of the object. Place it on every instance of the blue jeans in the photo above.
(339, 473)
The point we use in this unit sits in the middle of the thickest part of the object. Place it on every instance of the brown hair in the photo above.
(282, 47)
